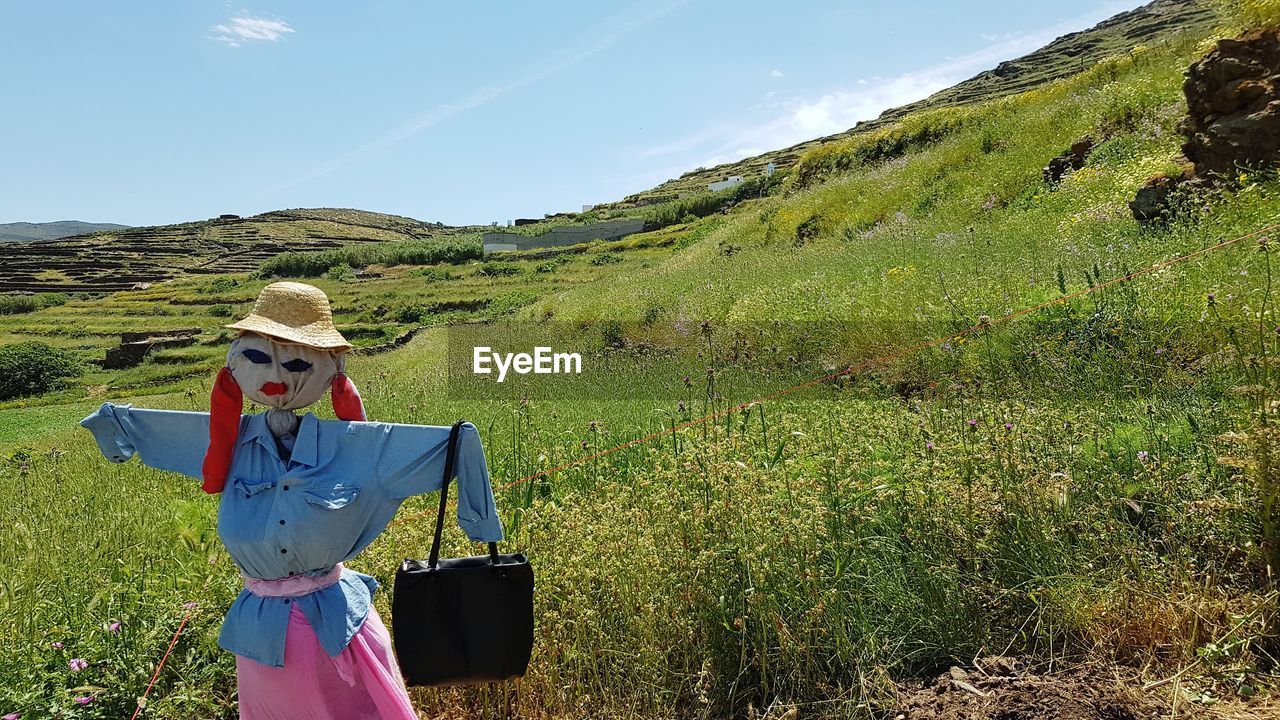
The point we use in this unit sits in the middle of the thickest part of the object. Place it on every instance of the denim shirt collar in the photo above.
(305, 446)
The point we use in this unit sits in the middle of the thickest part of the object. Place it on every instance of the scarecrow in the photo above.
(299, 497)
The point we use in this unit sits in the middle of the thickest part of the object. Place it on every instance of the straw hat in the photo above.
(296, 313)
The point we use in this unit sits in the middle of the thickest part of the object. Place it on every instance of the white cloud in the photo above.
(776, 74)
(242, 29)
(804, 119)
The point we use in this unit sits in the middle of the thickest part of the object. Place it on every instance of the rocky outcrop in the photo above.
(1072, 159)
(1232, 123)
(1233, 102)
(1155, 200)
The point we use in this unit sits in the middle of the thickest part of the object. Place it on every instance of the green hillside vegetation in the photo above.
(1153, 24)
(1089, 484)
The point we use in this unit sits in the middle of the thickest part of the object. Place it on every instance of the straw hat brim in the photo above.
(321, 335)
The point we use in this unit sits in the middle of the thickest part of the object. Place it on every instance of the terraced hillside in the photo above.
(1152, 24)
(121, 260)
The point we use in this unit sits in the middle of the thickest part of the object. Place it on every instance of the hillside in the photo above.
(24, 231)
(1158, 22)
(110, 261)
(121, 259)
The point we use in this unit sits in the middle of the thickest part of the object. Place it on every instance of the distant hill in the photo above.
(1148, 25)
(120, 259)
(22, 231)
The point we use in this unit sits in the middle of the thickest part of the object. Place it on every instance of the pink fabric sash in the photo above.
(292, 587)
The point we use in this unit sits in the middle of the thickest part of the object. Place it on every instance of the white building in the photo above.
(731, 181)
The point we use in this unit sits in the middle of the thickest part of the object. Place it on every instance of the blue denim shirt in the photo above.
(278, 518)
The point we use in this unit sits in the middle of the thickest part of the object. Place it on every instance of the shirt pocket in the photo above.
(249, 488)
(244, 509)
(332, 498)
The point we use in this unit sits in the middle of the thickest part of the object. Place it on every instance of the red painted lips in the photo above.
(273, 388)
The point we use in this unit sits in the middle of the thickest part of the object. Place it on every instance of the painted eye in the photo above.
(256, 356)
(296, 365)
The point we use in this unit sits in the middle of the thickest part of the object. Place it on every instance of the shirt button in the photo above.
(284, 550)
(286, 487)
(291, 572)
(282, 522)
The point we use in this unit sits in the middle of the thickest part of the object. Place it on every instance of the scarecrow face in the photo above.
(281, 375)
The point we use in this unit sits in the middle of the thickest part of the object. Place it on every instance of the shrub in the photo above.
(495, 268)
(340, 272)
(221, 285)
(220, 311)
(427, 252)
(52, 299)
(688, 209)
(433, 274)
(607, 258)
(19, 304)
(553, 264)
(32, 368)
(410, 313)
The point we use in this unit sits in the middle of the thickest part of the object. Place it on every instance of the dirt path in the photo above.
(1002, 688)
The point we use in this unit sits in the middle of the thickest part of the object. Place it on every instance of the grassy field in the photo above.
(1090, 483)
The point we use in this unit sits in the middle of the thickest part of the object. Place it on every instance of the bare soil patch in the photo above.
(1001, 688)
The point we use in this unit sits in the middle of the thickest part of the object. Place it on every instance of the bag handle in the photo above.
(450, 460)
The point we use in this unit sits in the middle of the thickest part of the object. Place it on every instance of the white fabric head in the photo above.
(281, 375)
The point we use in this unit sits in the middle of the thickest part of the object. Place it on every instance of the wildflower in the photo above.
(973, 424)
(12, 716)
(928, 446)
(1142, 456)
(190, 605)
(83, 699)
(114, 627)
(1008, 426)
(78, 664)
(584, 444)
(56, 644)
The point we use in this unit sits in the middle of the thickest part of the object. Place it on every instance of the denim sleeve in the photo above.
(172, 440)
(410, 461)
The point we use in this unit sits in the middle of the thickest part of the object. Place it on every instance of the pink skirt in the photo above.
(362, 683)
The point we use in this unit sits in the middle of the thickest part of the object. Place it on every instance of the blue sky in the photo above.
(462, 112)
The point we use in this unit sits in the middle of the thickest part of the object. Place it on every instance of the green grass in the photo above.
(1081, 485)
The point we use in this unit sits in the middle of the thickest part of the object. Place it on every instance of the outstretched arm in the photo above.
(410, 459)
(164, 439)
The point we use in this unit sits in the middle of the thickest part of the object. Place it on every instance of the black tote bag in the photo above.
(462, 620)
